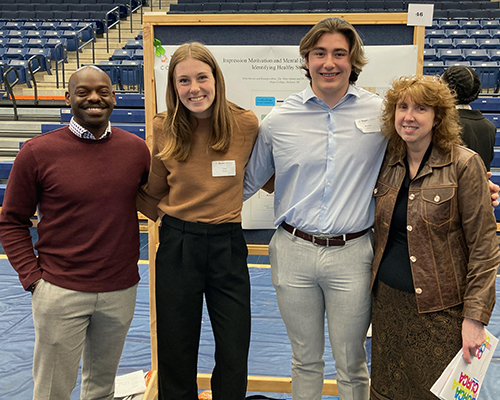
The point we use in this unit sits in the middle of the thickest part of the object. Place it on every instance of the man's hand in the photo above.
(494, 189)
(473, 336)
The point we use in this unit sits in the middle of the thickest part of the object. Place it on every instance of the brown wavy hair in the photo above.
(179, 126)
(430, 92)
(335, 25)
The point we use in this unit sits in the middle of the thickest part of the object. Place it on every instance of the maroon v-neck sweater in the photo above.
(85, 194)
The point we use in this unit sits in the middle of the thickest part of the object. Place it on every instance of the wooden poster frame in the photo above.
(150, 20)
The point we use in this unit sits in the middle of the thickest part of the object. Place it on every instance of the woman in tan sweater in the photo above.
(201, 146)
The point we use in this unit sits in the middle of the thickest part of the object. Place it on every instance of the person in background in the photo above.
(82, 180)
(201, 146)
(325, 147)
(436, 250)
(478, 133)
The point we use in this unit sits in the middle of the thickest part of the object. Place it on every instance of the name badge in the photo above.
(224, 168)
(368, 125)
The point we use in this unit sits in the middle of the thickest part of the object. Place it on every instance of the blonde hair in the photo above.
(430, 92)
(179, 126)
(335, 25)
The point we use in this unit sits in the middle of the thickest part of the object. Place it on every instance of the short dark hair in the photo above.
(463, 82)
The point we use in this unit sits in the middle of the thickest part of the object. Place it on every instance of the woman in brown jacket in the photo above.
(436, 251)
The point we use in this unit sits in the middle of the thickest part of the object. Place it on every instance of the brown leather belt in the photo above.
(322, 241)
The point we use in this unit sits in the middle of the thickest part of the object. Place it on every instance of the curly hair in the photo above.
(178, 125)
(427, 91)
(464, 83)
(335, 25)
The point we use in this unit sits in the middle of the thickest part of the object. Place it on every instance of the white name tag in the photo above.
(224, 168)
(368, 125)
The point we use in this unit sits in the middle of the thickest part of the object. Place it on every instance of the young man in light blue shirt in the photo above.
(325, 148)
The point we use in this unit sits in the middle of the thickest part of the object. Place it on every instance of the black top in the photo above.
(395, 269)
(478, 134)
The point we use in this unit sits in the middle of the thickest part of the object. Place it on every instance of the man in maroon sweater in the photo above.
(82, 180)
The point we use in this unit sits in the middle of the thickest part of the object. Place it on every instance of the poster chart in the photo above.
(259, 78)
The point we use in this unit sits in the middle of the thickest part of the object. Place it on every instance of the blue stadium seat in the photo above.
(211, 8)
(488, 43)
(193, 8)
(488, 72)
(130, 75)
(395, 6)
(456, 33)
(15, 34)
(495, 118)
(50, 34)
(133, 44)
(486, 104)
(450, 63)
(67, 25)
(494, 54)
(119, 115)
(111, 69)
(430, 55)
(449, 24)
(72, 38)
(17, 43)
(21, 67)
(138, 55)
(57, 52)
(129, 100)
(14, 53)
(441, 43)
(3, 42)
(465, 43)
(476, 55)
(122, 54)
(36, 43)
(495, 163)
(49, 25)
(177, 8)
(34, 35)
(45, 58)
(479, 34)
(5, 168)
(450, 55)
(490, 23)
(470, 24)
(433, 67)
(13, 25)
(435, 33)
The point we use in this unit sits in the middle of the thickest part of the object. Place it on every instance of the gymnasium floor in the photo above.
(270, 353)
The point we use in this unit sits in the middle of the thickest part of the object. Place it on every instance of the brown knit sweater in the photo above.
(186, 189)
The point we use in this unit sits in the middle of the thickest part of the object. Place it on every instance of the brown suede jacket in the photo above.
(454, 253)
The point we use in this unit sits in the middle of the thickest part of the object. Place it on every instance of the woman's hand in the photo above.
(493, 191)
(473, 336)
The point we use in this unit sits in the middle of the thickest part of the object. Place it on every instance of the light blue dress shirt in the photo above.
(326, 161)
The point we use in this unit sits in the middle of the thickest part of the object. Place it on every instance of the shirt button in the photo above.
(411, 196)
(418, 290)
(413, 258)
(328, 183)
(324, 208)
(437, 198)
(375, 191)
(331, 133)
(409, 228)
(331, 158)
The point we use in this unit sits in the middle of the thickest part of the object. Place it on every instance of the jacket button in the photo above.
(375, 191)
(411, 196)
(418, 290)
(437, 198)
(413, 258)
(409, 228)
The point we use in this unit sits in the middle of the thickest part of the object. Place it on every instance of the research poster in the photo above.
(259, 78)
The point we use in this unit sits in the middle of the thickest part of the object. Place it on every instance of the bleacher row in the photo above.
(50, 41)
(470, 42)
(442, 9)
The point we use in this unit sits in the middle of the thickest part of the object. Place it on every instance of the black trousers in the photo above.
(195, 259)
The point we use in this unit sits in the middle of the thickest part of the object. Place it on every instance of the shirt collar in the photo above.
(83, 133)
(309, 94)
